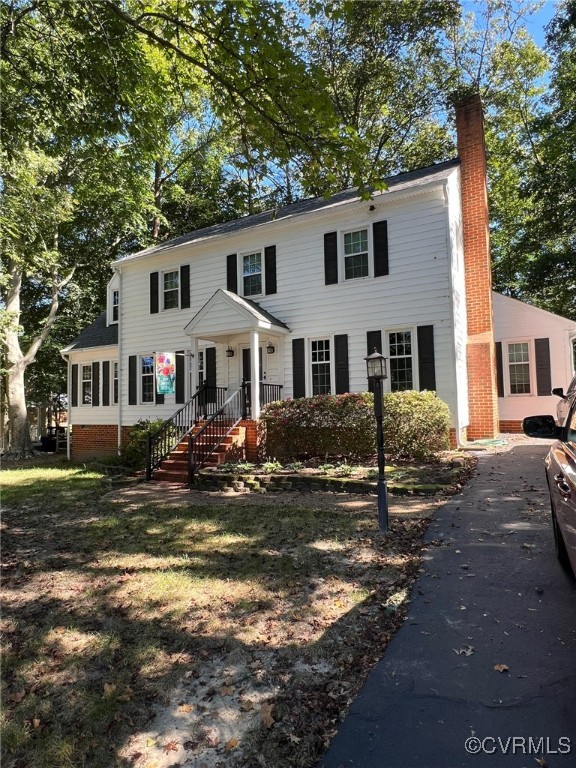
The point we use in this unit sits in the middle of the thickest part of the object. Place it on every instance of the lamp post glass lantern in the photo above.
(376, 372)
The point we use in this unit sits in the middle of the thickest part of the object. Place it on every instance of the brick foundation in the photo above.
(515, 427)
(482, 392)
(94, 441)
(254, 436)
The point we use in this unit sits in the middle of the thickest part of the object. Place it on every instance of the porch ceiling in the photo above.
(226, 314)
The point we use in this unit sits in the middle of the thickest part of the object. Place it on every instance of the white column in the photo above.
(255, 374)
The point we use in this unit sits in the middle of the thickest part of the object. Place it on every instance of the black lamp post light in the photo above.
(376, 372)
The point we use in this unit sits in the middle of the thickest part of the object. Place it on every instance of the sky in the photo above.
(537, 22)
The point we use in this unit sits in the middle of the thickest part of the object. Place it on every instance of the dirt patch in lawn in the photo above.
(155, 626)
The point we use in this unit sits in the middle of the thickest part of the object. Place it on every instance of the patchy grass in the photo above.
(271, 610)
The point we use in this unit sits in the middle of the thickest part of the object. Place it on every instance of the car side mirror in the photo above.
(559, 392)
(541, 426)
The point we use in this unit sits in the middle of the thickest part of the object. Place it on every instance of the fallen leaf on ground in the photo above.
(109, 689)
(501, 667)
(36, 722)
(266, 715)
(17, 697)
(541, 761)
(295, 739)
(226, 690)
(246, 705)
(171, 746)
(185, 708)
(231, 744)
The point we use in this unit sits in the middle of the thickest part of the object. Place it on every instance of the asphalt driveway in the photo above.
(483, 672)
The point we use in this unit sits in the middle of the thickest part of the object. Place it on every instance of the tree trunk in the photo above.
(20, 444)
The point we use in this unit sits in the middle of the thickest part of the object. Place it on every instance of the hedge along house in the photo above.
(294, 299)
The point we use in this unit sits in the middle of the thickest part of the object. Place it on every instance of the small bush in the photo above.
(416, 426)
(133, 455)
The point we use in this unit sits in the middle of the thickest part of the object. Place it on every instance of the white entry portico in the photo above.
(235, 324)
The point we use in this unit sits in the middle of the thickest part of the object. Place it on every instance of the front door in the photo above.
(247, 372)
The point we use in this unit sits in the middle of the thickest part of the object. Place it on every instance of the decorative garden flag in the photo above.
(165, 373)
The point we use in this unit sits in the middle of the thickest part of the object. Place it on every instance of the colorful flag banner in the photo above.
(165, 373)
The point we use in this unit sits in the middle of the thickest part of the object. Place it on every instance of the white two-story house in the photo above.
(297, 297)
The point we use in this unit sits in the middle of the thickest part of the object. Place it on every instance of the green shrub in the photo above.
(416, 426)
(326, 425)
(134, 452)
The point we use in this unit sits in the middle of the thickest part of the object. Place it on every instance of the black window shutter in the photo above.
(232, 273)
(180, 371)
(185, 286)
(380, 240)
(298, 368)
(342, 370)
(133, 380)
(74, 385)
(499, 369)
(543, 373)
(426, 365)
(330, 258)
(373, 344)
(106, 382)
(210, 373)
(153, 293)
(95, 383)
(270, 269)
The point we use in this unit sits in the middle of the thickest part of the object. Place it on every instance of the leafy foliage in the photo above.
(134, 452)
(416, 425)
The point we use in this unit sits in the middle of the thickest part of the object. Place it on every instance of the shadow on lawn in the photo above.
(106, 608)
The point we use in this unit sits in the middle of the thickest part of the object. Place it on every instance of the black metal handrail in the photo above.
(270, 393)
(206, 400)
(211, 434)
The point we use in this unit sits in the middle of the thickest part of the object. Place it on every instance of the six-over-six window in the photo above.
(170, 289)
(356, 254)
(321, 366)
(519, 368)
(401, 360)
(252, 274)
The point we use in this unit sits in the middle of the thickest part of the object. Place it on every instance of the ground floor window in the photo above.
(115, 382)
(320, 357)
(86, 385)
(519, 367)
(147, 378)
(401, 358)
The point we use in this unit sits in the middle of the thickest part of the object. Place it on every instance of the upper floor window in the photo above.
(170, 289)
(400, 348)
(252, 274)
(356, 254)
(115, 306)
(86, 385)
(519, 368)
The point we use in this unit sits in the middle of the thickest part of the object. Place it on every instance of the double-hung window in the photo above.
(400, 347)
(147, 378)
(86, 385)
(252, 284)
(170, 289)
(356, 254)
(320, 360)
(115, 305)
(519, 367)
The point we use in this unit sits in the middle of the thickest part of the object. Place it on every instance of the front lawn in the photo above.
(152, 626)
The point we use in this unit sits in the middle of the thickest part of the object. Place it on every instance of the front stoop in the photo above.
(174, 469)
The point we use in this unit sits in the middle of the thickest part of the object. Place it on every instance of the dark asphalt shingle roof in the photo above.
(96, 335)
(400, 181)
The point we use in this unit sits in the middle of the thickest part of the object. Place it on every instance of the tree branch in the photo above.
(37, 342)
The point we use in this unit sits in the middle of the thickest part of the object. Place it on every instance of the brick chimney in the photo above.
(482, 391)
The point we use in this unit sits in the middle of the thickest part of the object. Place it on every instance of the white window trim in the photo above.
(162, 291)
(531, 367)
(241, 256)
(140, 376)
(308, 362)
(81, 402)
(415, 363)
(342, 255)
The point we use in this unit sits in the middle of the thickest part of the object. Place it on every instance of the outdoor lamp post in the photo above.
(376, 372)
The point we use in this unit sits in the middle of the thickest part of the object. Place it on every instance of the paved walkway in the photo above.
(491, 593)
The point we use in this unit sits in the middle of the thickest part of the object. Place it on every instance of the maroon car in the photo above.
(560, 467)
